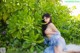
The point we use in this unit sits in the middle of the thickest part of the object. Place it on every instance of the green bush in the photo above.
(23, 19)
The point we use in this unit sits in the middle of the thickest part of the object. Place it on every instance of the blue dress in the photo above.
(54, 40)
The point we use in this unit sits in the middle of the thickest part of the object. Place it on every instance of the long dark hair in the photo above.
(44, 26)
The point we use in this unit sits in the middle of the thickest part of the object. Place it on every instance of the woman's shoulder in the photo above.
(51, 24)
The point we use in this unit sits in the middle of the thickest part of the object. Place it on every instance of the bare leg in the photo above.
(58, 49)
(72, 52)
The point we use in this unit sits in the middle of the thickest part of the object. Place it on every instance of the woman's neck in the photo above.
(48, 23)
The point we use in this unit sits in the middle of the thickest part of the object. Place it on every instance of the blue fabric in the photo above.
(54, 40)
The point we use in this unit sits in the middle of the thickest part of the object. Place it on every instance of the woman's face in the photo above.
(46, 19)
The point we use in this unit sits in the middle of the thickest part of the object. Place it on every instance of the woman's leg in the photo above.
(49, 50)
(60, 45)
(58, 49)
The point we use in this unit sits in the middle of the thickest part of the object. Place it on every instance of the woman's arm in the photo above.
(49, 32)
(53, 27)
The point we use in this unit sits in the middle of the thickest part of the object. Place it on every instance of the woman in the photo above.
(54, 39)
(52, 36)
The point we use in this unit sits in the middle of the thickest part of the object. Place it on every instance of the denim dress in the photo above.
(54, 40)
